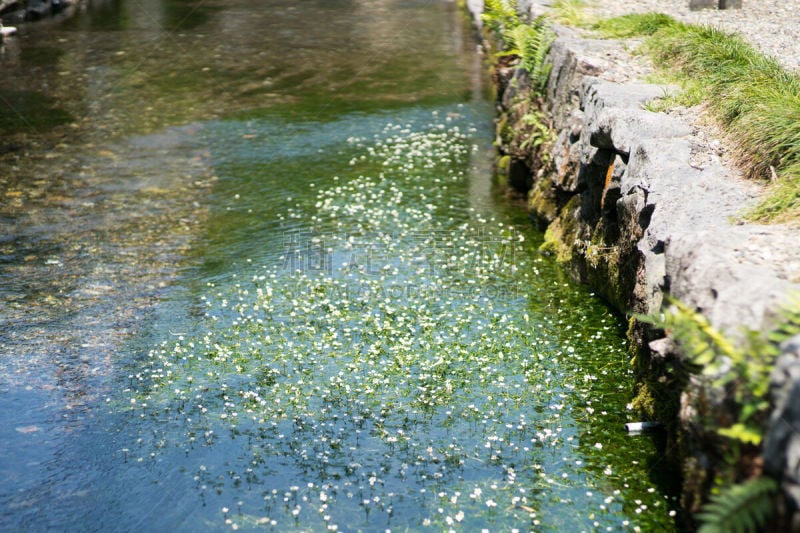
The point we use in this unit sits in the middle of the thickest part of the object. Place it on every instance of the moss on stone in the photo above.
(501, 166)
(505, 131)
(551, 242)
(542, 200)
(562, 233)
(644, 402)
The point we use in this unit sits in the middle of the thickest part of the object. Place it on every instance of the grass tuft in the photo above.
(570, 13)
(755, 99)
(628, 26)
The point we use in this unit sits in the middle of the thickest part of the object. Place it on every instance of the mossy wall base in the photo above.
(626, 211)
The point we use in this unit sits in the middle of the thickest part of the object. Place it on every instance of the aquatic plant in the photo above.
(397, 366)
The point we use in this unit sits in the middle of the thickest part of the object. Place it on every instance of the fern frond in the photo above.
(742, 433)
(707, 330)
(744, 371)
(532, 42)
(742, 508)
(790, 321)
(501, 16)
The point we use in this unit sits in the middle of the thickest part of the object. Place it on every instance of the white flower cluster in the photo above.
(397, 387)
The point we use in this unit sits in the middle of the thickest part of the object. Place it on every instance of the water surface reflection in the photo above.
(150, 148)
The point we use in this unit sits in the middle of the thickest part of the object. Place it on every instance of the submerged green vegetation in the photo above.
(402, 367)
(238, 302)
(754, 98)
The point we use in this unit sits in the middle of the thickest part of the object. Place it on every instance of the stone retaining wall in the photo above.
(632, 207)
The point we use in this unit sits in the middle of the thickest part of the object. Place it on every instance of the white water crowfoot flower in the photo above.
(433, 366)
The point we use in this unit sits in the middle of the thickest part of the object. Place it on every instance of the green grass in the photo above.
(755, 99)
(628, 26)
(570, 13)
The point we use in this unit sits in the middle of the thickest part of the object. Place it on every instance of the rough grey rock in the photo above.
(616, 119)
(782, 443)
(683, 220)
(694, 5)
(475, 8)
(6, 5)
(667, 220)
(675, 228)
(785, 374)
(37, 9)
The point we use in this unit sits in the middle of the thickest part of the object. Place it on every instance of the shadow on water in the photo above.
(25, 111)
(41, 55)
(107, 15)
(185, 15)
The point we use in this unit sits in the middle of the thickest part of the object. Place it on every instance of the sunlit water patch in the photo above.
(405, 363)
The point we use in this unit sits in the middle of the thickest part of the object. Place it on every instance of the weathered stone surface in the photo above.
(621, 129)
(19, 11)
(732, 293)
(784, 376)
(674, 231)
(782, 443)
(475, 8)
(694, 5)
(631, 209)
(37, 9)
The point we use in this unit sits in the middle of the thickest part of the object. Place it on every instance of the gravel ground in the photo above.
(771, 25)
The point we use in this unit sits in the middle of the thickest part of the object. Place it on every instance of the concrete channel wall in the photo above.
(633, 206)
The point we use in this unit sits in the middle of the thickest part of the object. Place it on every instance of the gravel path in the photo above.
(771, 25)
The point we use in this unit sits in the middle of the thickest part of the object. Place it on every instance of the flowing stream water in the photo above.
(254, 275)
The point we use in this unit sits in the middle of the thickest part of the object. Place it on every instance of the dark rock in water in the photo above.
(14, 16)
(37, 9)
(16, 11)
(58, 5)
(8, 5)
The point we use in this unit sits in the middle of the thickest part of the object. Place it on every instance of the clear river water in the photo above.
(254, 275)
